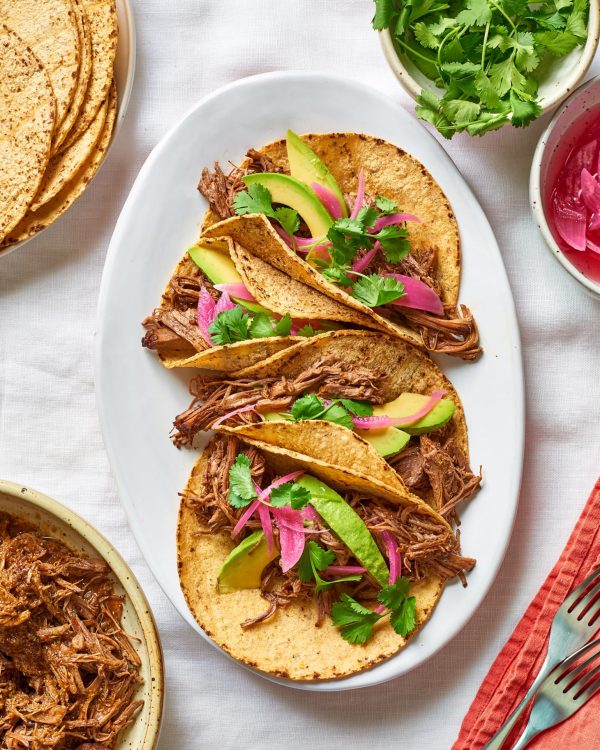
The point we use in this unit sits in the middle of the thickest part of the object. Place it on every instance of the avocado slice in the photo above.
(387, 441)
(220, 269)
(306, 166)
(409, 403)
(347, 525)
(291, 192)
(245, 563)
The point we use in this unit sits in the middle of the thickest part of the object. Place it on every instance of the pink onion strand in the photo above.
(241, 410)
(329, 199)
(377, 423)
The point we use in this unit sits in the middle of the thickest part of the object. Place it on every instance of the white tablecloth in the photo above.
(49, 433)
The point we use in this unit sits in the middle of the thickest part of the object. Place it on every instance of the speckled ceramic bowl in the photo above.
(60, 522)
(556, 141)
(557, 79)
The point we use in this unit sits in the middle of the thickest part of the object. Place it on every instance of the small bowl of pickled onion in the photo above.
(564, 185)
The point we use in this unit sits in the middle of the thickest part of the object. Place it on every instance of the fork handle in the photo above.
(499, 738)
(524, 740)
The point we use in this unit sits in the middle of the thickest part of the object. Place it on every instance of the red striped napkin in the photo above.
(519, 661)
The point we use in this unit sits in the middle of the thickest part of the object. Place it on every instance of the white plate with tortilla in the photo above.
(138, 398)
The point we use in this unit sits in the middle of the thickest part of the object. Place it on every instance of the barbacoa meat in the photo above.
(68, 672)
(220, 189)
(427, 547)
(216, 397)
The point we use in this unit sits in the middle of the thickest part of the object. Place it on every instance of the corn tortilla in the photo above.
(85, 68)
(49, 28)
(34, 221)
(28, 108)
(101, 17)
(287, 645)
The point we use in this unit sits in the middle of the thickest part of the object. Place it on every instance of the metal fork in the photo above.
(573, 626)
(563, 693)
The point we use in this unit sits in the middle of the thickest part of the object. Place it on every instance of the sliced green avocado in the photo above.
(346, 524)
(409, 403)
(220, 269)
(306, 166)
(245, 563)
(387, 442)
(291, 192)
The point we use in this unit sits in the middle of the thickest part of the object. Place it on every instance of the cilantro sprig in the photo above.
(315, 559)
(242, 490)
(257, 200)
(339, 410)
(238, 325)
(483, 53)
(356, 621)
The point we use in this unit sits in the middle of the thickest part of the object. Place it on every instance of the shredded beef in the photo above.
(410, 465)
(216, 397)
(68, 672)
(455, 334)
(220, 189)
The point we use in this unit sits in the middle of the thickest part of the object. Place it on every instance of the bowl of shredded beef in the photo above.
(80, 660)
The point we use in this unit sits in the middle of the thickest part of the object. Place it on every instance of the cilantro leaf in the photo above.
(375, 290)
(304, 570)
(386, 206)
(393, 596)
(262, 326)
(321, 558)
(241, 486)
(384, 11)
(523, 112)
(403, 619)
(337, 414)
(291, 494)
(229, 326)
(306, 331)
(355, 621)
(358, 408)
(255, 200)
(338, 275)
(309, 406)
(558, 43)
(394, 241)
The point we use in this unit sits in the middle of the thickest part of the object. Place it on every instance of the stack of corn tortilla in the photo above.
(58, 101)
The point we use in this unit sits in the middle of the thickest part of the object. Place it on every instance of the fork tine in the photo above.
(574, 596)
(590, 691)
(564, 666)
(581, 606)
(585, 679)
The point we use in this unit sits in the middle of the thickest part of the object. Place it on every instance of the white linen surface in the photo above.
(50, 437)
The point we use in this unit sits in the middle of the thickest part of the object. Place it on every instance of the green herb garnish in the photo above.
(241, 485)
(316, 559)
(356, 621)
(339, 411)
(257, 200)
(237, 325)
(483, 53)
(375, 290)
(291, 494)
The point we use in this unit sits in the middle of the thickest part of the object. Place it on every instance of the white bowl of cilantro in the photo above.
(475, 65)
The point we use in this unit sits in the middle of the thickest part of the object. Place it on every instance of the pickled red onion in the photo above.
(241, 410)
(329, 199)
(223, 303)
(245, 517)
(291, 537)
(391, 547)
(570, 219)
(267, 526)
(360, 195)
(362, 263)
(386, 221)
(238, 290)
(377, 423)
(206, 314)
(417, 295)
(590, 191)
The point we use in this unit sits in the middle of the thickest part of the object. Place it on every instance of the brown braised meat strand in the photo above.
(455, 334)
(211, 505)
(410, 464)
(449, 473)
(215, 397)
(421, 268)
(172, 329)
(68, 672)
(220, 189)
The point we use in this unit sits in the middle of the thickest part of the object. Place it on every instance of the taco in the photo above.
(358, 219)
(198, 323)
(303, 570)
(355, 399)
